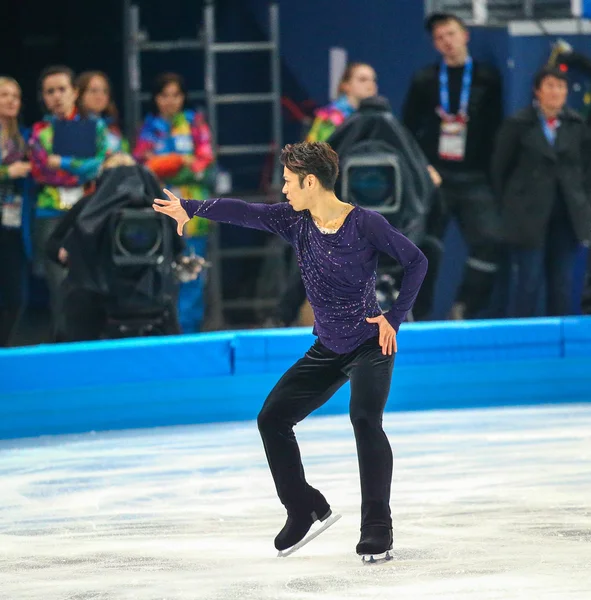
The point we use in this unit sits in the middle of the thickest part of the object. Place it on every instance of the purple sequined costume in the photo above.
(338, 270)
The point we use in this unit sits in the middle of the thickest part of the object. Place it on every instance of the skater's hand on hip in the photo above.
(173, 208)
(387, 334)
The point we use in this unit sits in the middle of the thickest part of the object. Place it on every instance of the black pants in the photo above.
(13, 278)
(468, 198)
(308, 385)
(552, 264)
(53, 273)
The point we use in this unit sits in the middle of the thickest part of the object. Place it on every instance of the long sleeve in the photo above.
(413, 110)
(389, 240)
(203, 151)
(493, 109)
(40, 143)
(146, 140)
(275, 218)
(86, 169)
(504, 156)
(586, 158)
(321, 130)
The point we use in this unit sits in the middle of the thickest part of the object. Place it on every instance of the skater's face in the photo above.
(450, 39)
(59, 94)
(299, 195)
(552, 94)
(170, 100)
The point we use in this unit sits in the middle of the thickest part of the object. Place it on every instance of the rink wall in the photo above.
(150, 382)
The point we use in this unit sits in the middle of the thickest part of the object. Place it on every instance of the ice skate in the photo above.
(293, 535)
(375, 545)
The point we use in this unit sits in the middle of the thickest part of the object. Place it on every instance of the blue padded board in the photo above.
(87, 364)
(205, 378)
(577, 337)
(270, 351)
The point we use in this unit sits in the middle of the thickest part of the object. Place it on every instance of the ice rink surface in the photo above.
(487, 504)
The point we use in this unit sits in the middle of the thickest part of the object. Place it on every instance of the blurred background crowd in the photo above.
(84, 257)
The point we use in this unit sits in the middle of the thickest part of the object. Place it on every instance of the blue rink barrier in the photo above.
(150, 382)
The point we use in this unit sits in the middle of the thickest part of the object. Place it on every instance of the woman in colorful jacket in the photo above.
(62, 180)
(95, 98)
(175, 143)
(14, 224)
(357, 83)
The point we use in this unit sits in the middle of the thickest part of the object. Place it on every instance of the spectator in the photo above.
(95, 99)
(541, 174)
(175, 143)
(14, 239)
(357, 83)
(454, 109)
(63, 179)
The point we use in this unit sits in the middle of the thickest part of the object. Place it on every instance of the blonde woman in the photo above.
(14, 168)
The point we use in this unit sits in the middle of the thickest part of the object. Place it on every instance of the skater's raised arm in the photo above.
(275, 218)
(389, 240)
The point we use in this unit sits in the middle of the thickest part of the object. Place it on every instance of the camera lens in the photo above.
(138, 237)
(372, 186)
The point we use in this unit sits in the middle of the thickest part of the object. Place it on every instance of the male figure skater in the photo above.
(337, 246)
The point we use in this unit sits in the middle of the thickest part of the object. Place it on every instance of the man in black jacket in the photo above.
(541, 170)
(454, 109)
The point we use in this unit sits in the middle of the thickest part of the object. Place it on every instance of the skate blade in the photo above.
(377, 559)
(325, 525)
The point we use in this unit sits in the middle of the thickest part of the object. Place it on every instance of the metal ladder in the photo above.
(136, 42)
(212, 48)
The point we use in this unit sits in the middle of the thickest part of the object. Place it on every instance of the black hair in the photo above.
(56, 70)
(438, 18)
(548, 71)
(163, 80)
(312, 158)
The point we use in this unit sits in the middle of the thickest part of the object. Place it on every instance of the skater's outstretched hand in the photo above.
(172, 207)
(387, 334)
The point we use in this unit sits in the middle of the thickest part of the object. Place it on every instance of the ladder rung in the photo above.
(242, 46)
(194, 95)
(244, 98)
(245, 149)
(172, 45)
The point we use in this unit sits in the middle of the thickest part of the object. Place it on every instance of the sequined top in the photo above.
(338, 270)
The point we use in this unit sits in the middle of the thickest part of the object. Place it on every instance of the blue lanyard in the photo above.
(466, 84)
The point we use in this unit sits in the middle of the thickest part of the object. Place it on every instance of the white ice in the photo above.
(487, 504)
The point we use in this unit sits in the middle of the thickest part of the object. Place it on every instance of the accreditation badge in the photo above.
(12, 212)
(452, 138)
